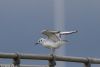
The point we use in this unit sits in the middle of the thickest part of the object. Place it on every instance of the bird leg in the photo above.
(53, 61)
(52, 51)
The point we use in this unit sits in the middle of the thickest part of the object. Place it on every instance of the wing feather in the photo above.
(68, 32)
(56, 35)
(53, 35)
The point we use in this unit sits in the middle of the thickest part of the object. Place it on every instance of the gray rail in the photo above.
(18, 56)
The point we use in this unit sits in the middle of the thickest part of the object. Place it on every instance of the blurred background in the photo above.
(21, 23)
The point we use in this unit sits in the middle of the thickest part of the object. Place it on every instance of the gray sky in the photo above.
(22, 20)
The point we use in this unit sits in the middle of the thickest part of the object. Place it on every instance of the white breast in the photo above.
(51, 44)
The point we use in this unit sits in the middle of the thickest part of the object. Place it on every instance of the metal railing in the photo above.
(18, 56)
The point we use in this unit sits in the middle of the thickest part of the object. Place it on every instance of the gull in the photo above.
(53, 40)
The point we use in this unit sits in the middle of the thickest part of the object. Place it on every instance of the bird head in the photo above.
(40, 41)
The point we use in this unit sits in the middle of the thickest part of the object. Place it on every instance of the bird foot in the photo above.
(53, 61)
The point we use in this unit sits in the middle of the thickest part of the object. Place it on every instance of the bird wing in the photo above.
(68, 32)
(52, 35)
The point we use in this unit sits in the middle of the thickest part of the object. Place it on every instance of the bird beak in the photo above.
(36, 43)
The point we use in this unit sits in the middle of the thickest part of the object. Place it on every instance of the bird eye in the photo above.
(40, 41)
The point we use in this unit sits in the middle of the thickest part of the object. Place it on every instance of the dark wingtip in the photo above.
(76, 31)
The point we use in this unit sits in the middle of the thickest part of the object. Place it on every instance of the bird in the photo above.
(54, 39)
